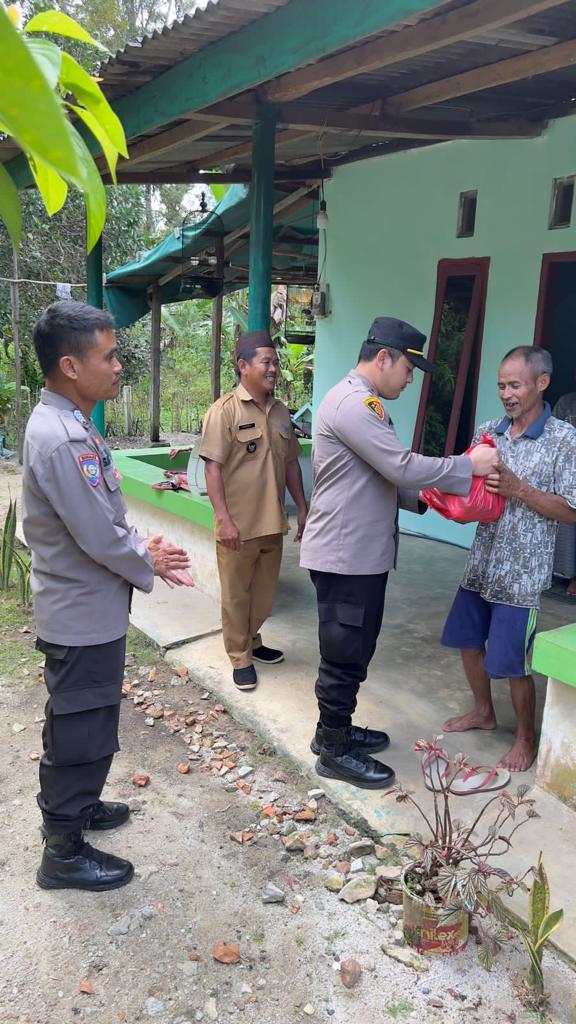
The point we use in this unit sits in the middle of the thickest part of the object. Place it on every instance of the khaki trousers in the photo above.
(248, 580)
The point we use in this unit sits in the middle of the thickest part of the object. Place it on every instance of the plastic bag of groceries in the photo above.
(478, 506)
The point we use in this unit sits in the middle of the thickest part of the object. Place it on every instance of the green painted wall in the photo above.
(391, 220)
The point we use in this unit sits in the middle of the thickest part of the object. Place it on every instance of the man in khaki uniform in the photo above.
(251, 455)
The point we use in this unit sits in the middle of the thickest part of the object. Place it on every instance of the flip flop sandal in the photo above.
(165, 485)
(481, 779)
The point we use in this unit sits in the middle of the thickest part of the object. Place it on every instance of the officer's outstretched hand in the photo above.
(484, 459)
(168, 560)
(227, 533)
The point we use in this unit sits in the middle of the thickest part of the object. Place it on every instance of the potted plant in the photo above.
(454, 874)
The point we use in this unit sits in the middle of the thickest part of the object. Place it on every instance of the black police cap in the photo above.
(392, 333)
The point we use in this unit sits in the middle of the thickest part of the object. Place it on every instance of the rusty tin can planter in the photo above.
(424, 929)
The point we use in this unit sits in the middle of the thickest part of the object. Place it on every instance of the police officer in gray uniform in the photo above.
(85, 562)
(362, 475)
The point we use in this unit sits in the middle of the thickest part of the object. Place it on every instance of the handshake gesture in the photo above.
(170, 562)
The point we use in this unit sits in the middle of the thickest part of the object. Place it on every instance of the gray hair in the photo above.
(538, 359)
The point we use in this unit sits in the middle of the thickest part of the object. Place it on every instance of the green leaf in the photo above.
(74, 79)
(10, 207)
(485, 956)
(94, 193)
(29, 108)
(539, 899)
(91, 122)
(535, 976)
(61, 25)
(550, 923)
(51, 186)
(7, 545)
(48, 57)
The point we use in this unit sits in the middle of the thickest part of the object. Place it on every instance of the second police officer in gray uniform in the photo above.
(362, 474)
(85, 562)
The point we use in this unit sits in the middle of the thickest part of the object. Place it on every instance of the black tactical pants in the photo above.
(80, 735)
(350, 610)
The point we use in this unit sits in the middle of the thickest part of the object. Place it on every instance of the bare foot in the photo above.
(571, 588)
(520, 756)
(473, 720)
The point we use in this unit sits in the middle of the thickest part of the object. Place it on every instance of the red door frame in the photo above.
(542, 310)
(479, 268)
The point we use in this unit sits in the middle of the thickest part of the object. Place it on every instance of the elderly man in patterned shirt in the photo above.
(493, 618)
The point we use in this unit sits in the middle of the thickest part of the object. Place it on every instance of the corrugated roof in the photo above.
(141, 61)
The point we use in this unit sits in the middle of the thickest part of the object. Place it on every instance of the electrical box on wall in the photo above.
(320, 301)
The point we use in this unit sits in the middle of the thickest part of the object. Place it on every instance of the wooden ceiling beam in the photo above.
(298, 117)
(232, 154)
(191, 131)
(183, 175)
(433, 34)
(538, 62)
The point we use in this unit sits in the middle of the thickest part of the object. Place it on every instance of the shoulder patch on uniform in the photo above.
(90, 466)
(375, 406)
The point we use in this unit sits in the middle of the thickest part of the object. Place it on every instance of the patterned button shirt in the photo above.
(510, 561)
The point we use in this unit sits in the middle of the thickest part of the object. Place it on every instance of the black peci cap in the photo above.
(254, 339)
(392, 333)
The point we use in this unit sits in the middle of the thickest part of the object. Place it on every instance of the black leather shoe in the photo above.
(340, 760)
(365, 741)
(245, 678)
(70, 863)
(107, 814)
(267, 655)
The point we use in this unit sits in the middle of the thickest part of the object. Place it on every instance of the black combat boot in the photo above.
(365, 741)
(340, 760)
(70, 863)
(106, 814)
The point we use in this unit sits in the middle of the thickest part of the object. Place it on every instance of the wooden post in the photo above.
(127, 402)
(217, 322)
(155, 365)
(15, 302)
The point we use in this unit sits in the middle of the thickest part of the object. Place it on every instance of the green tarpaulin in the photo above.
(126, 293)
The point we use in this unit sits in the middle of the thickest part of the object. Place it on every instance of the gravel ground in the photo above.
(145, 952)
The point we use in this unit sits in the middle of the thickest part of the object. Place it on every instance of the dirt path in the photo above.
(145, 952)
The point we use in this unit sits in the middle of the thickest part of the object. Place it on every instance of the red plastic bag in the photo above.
(478, 506)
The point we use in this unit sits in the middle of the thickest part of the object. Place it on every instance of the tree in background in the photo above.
(38, 83)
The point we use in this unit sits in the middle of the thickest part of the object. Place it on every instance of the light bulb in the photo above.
(322, 216)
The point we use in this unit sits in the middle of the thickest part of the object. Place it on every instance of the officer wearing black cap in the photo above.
(362, 475)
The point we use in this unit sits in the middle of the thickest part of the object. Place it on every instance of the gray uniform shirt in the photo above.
(85, 557)
(361, 475)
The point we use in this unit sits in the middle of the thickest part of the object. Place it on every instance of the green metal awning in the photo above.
(168, 264)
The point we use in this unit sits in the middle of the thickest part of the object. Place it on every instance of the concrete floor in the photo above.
(413, 685)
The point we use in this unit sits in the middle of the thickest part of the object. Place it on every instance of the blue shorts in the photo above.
(502, 630)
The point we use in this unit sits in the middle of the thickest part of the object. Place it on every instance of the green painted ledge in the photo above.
(555, 654)
(142, 467)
